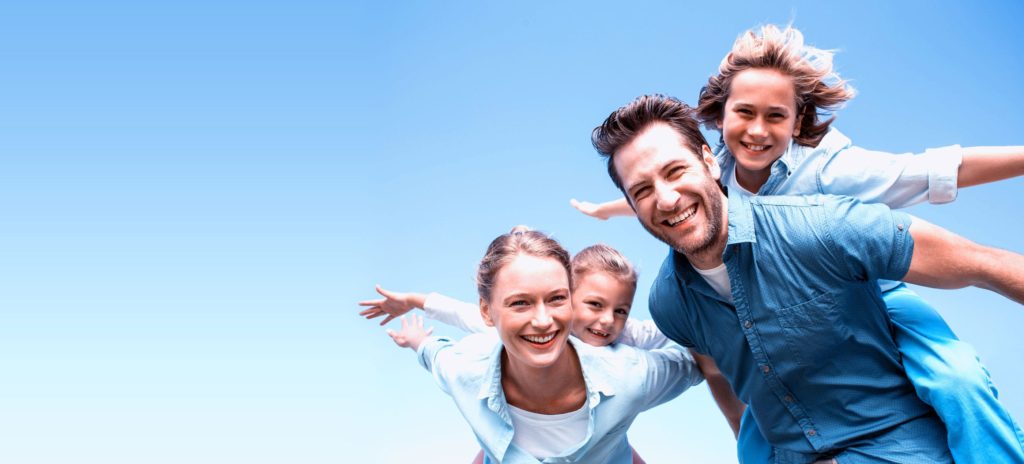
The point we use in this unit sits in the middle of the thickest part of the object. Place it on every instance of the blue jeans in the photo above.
(946, 374)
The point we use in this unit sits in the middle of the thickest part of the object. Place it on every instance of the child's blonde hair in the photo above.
(604, 258)
(816, 84)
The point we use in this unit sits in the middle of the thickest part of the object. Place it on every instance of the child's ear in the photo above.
(485, 313)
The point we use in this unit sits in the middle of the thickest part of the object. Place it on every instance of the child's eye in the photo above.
(594, 304)
(622, 311)
(744, 111)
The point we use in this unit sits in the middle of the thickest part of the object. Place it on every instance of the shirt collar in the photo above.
(741, 219)
(597, 380)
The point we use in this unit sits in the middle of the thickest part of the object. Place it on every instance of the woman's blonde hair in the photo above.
(520, 240)
(816, 84)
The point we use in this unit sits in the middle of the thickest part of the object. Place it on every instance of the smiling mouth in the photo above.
(673, 221)
(599, 333)
(540, 339)
(755, 148)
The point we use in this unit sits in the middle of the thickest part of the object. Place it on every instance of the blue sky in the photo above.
(194, 195)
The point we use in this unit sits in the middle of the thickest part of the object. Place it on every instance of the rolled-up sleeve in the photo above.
(428, 356)
(898, 180)
(868, 241)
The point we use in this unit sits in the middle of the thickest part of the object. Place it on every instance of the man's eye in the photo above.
(641, 193)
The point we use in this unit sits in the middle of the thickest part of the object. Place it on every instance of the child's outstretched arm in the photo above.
(982, 165)
(394, 304)
(604, 210)
(455, 313)
(412, 333)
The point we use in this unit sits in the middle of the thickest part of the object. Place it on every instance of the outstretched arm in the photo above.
(943, 259)
(731, 406)
(412, 333)
(393, 304)
(982, 165)
(604, 210)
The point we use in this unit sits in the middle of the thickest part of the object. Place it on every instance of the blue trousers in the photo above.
(946, 374)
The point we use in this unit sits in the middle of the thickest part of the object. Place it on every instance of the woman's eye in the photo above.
(559, 298)
(519, 303)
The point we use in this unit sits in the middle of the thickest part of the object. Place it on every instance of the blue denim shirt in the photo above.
(621, 382)
(807, 343)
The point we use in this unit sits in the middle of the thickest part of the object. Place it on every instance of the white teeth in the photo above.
(539, 339)
(683, 216)
(598, 332)
(757, 147)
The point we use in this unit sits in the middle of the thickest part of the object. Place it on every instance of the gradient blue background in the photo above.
(194, 195)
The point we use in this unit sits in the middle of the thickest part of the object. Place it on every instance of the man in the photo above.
(781, 293)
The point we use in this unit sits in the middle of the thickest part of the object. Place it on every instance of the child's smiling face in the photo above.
(758, 122)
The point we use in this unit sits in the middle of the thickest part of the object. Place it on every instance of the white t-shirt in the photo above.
(546, 435)
(718, 279)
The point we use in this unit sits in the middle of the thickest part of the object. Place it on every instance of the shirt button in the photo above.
(788, 399)
(748, 324)
(899, 226)
(765, 369)
(811, 433)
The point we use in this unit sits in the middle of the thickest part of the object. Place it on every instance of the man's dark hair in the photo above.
(625, 123)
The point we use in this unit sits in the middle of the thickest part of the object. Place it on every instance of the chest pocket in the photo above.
(811, 329)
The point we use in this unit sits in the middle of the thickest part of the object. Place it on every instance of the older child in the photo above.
(765, 101)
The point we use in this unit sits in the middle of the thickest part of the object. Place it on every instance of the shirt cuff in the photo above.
(942, 172)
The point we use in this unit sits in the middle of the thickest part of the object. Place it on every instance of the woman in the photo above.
(539, 394)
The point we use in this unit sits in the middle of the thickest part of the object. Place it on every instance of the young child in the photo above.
(606, 282)
(765, 102)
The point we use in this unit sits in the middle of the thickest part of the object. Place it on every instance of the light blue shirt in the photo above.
(836, 167)
(621, 382)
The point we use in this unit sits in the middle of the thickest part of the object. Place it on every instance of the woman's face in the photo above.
(601, 303)
(759, 121)
(531, 309)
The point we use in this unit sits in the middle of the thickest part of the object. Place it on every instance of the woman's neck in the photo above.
(555, 389)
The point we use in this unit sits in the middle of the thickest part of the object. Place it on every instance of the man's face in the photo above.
(673, 190)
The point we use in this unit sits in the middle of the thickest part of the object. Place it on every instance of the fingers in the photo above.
(372, 302)
(375, 309)
(384, 293)
(429, 331)
(576, 204)
(372, 313)
(390, 318)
